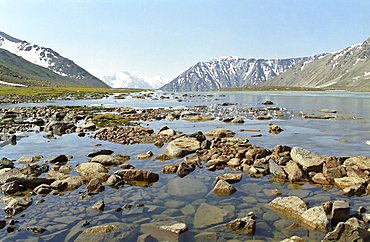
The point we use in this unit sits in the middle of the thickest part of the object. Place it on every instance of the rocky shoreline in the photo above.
(214, 150)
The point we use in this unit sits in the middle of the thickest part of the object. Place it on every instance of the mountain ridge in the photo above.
(346, 68)
(232, 71)
(50, 59)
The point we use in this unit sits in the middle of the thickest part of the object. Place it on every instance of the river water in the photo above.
(62, 216)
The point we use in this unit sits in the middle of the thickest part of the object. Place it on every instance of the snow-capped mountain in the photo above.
(49, 59)
(231, 71)
(134, 79)
(347, 68)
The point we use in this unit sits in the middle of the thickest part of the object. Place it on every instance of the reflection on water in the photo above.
(180, 199)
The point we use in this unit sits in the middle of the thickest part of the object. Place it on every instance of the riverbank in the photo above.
(163, 184)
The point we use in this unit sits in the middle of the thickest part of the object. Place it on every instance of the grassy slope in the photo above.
(31, 71)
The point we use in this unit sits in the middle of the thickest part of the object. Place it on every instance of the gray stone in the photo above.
(308, 160)
(292, 207)
(182, 146)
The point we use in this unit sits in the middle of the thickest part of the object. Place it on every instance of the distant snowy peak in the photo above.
(232, 71)
(49, 59)
(134, 79)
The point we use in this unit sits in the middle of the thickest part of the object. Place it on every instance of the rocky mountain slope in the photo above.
(230, 71)
(16, 70)
(134, 79)
(49, 59)
(348, 68)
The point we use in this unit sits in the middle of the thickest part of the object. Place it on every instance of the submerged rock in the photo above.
(223, 188)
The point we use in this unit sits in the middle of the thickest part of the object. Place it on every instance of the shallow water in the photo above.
(62, 216)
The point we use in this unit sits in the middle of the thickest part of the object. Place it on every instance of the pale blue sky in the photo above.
(166, 37)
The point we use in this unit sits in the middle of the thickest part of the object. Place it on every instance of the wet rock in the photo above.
(277, 170)
(170, 169)
(262, 117)
(114, 231)
(340, 211)
(28, 159)
(344, 182)
(356, 190)
(223, 188)
(16, 205)
(206, 236)
(185, 187)
(146, 238)
(320, 179)
(59, 159)
(87, 126)
(293, 239)
(138, 175)
(2, 223)
(127, 166)
(182, 146)
(198, 118)
(72, 182)
(234, 162)
(242, 225)
(292, 207)
(10, 188)
(99, 206)
(95, 186)
(360, 161)
(184, 169)
(164, 230)
(162, 157)
(65, 169)
(6, 163)
(43, 189)
(175, 227)
(110, 160)
(308, 160)
(315, 219)
(92, 170)
(351, 230)
(100, 152)
(145, 156)
(115, 181)
(274, 129)
(230, 177)
(293, 171)
(220, 133)
(36, 230)
(207, 215)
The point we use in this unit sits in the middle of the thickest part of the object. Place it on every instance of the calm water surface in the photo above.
(62, 216)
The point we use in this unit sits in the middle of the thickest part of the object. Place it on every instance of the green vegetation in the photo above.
(108, 119)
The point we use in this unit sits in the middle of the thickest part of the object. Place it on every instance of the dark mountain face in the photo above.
(226, 72)
(49, 59)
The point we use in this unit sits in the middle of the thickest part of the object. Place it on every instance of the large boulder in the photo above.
(93, 170)
(315, 219)
(220, 133)
(223, 188)
(351, 230)
(15, 206)
(292, 207)
(182, 146)
(111, 160)
(361, 161)
(308, 160)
